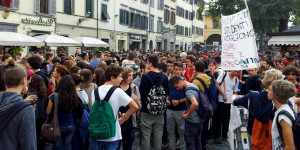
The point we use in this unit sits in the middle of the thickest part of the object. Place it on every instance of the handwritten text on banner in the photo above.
(239, 50)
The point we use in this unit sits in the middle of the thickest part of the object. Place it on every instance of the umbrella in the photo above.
(56, 40)
(91, 42)
(17, 39)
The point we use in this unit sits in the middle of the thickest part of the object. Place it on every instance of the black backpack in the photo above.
(204, 109)
(209, 91)
(295, 127)
(156, 99)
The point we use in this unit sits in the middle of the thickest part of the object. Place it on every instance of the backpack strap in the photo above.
(109, 93)
(150, 78)
(152, 81)
(286, 113)
(223, 78)
(9, 114)
(202, 82)
(96, 94)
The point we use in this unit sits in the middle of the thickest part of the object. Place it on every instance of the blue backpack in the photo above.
(84, 121)
(210, 92)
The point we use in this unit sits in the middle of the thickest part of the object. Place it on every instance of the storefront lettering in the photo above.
(135, 37)
(48, 22)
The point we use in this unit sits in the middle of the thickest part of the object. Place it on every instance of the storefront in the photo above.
(137, 41)
(121, 42)
(159, 43)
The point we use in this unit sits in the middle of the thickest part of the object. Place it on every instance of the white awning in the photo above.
(285, 40)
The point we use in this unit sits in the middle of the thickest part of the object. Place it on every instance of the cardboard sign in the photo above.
(239, 51)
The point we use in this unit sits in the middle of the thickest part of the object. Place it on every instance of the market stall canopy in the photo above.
(285, 40)
(287, 37)
(91, 42)
(56, 40)
(17, 39)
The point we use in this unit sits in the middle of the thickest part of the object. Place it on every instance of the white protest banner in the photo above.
(239, 51)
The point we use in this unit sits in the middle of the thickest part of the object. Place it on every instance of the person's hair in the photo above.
(91, 68)
(37, 85)
(137, 61)
(200, 66)
(143, 65)
(24, 60)
(5, 56)
(125, 73)
(175, 80)
(283, 90)
(2, 81)
(217, 59)
(162, 66)
(270, 76)
(153, 59)
(99, 79)
(44, 65)
(101, 64)
(212, 62)
(77, 79)
(291, 69)
(98, 54)
(56, 59)
(67, 96)
(81, 64)
(48, 55)
(86, 75)
(75, 69)
(35, 62)
(178, 64)
(13, 75)
(68, 64)
(192, 58)
(112, 71)
(170, 61)
(131, 56)
(62, 70)
(268, 61)
(290, 58)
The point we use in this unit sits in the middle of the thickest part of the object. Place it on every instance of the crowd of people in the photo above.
(155, 97)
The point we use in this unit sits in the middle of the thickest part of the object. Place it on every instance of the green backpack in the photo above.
(102, 119)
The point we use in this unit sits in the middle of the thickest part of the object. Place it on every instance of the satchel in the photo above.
(50, 131)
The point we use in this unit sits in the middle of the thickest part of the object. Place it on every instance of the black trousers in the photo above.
(221, 120)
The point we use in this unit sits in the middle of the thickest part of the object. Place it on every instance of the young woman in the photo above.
(99, 76)
(37, 87)
(87, 84)
(128, 127)
(58, 73)
(67, 101)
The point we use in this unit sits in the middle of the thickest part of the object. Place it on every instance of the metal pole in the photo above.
(97, 18)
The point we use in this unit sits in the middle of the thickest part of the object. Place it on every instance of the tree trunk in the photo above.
(283, 25)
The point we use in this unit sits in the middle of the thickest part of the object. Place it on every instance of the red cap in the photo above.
(205, 57)
(285, 62)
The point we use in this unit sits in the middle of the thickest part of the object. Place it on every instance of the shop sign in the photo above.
(135, 37)
(42, 22)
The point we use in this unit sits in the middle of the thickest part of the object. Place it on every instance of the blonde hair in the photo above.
(101, 64)
(270, 76)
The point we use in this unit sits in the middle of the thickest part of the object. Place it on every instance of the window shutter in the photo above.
(37, 6)
(127, 18)
(52, 7)
(135, 20)
(16, 4)
(67, 6)
(146, 23)
(142, 25)
(161, 27)
(87, 6)
(162, 4)
(121, 16)
(72, 7)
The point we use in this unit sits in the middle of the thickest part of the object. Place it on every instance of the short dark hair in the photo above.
(291, 69)
(13, 75)
(268, 61)
(178, 64)
(217, 59)
(162, 66)
(75, 69)
(200, 66)
(192, 58)
(98, 54)
(56, 59)
(35, 62)
(143, 65)
(290, 58)
(131, 56)
(48, 55)
(153, 59)
(175, 80)
(112, 71)
(170, 61)
(81, 64)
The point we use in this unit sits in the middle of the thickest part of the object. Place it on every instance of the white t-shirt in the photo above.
(118, 98)
(277, 141)
(231, 86)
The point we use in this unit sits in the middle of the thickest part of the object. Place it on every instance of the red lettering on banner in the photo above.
(228, 64)
(228, 47)
(241, 55)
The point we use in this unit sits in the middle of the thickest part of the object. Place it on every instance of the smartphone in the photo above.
(32, 93)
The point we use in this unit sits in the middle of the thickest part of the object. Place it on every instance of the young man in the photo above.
(131, 64)
(152, 122)
(144, 70)
(190, 61)
(20, 131)
(96, 60)
(193, 123)
(267, 63)
(253, 82)
(113, 77)
(6, 58)
(176, 107)
(226, 89)
(170, 64)
(49, 58)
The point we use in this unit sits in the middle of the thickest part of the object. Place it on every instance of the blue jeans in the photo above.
(64, 142)
(101, 145)
(192, 135)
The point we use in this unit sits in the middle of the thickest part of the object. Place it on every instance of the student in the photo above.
(20, 132)
(253, 82)
(193, 123)
(113, 77)
(175, 109)
(190, 61)
(87, 84)
(282, 138)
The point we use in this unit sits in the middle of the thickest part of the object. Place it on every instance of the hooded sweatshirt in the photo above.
(206, 80)
(253, 83)
(20, 132)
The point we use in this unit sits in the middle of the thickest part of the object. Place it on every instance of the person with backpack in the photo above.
(154, 92)
(87, 85)
(227, 85)
(17, 117)
(284, 118)
(261, 112)
(67, 102)
(105, 119)
(193, 121)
